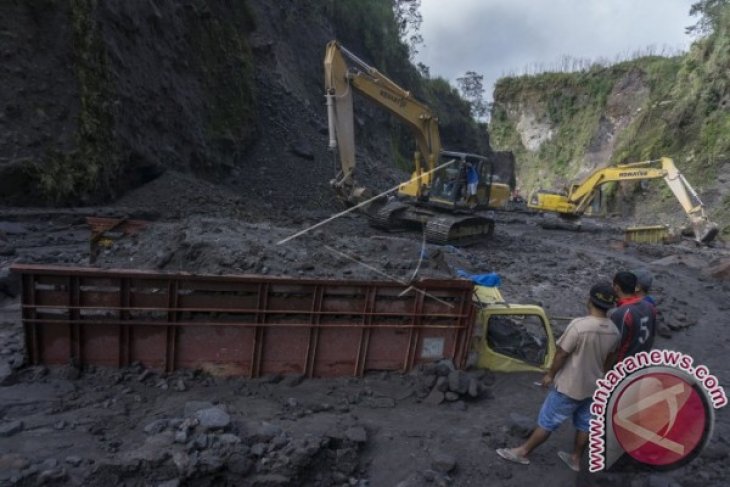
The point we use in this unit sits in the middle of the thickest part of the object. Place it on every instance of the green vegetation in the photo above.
(93, 166)
(685, 112)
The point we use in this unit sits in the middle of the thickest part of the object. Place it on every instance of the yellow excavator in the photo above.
(446, 188)
(579, 197)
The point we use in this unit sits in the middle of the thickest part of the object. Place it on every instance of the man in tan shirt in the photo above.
(579, 361)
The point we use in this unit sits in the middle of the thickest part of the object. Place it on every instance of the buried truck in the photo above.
(252, 325)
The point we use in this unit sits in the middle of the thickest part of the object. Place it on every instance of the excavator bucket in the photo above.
(705, 232)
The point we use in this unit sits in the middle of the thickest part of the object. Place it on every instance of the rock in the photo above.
(210, 462)
(520, 425)
(52, 475)
(213, 418)
(458, 382)
(429, 381)
(265, 432)
(444, 367)
(169, 483)
(74, 461)
(157, 426)
(229, 439)
(144, 375)
(192, 407)
(181, 436)
(357, 434)
(302, 148)
(180, 385)
(435, 398)
(200, 442)
(292, 403)
(13, 461)
(442, 384)
(188, 424)
(182, 462)
(443, 462)
(292, 380)
(451, 396)
(11, 428)
(258, 449)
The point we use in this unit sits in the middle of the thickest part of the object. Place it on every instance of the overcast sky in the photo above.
(498, 37)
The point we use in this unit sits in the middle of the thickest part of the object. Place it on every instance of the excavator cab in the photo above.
(468, 183)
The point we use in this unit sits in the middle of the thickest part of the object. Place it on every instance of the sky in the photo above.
(501, 37)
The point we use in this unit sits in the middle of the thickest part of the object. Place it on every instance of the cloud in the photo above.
(498, 37)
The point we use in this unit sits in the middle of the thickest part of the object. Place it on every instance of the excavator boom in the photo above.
(465, 183)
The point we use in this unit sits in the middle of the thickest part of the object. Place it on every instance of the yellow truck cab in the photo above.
(511, 337)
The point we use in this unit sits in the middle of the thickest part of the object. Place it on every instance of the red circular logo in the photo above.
(660, 419)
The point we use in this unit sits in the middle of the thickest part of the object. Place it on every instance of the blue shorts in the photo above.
(558, 407)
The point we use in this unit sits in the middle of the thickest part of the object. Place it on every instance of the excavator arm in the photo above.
(345, 73)
(580, 195)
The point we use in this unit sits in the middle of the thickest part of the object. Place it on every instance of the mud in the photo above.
(138, 427)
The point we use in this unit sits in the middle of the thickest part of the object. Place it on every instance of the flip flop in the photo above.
(567, 458)
(510, 456)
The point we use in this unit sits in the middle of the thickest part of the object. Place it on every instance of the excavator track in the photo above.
(440, 228)
(387, 217)
(455, 230)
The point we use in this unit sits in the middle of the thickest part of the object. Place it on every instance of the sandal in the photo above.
(568, 459)
(510, 456)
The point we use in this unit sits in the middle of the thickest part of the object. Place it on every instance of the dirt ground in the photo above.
(96, 426)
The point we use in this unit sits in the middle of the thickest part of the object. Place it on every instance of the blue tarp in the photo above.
(489, 280)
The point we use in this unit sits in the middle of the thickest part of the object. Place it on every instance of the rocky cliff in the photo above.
(562, 125)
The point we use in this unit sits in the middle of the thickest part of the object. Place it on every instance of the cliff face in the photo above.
(562, 125)
(108, 94)
(100, 96)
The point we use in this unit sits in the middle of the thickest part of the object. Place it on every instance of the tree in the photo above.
(710, 13)
(409, 19)
(471, 86)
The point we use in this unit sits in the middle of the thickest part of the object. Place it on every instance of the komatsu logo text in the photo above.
(396, 99)
(633, 174)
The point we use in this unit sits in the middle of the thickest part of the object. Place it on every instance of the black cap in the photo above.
(602, 295)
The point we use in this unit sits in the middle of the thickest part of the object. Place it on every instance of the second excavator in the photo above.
(446, 188)
(574, 201)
